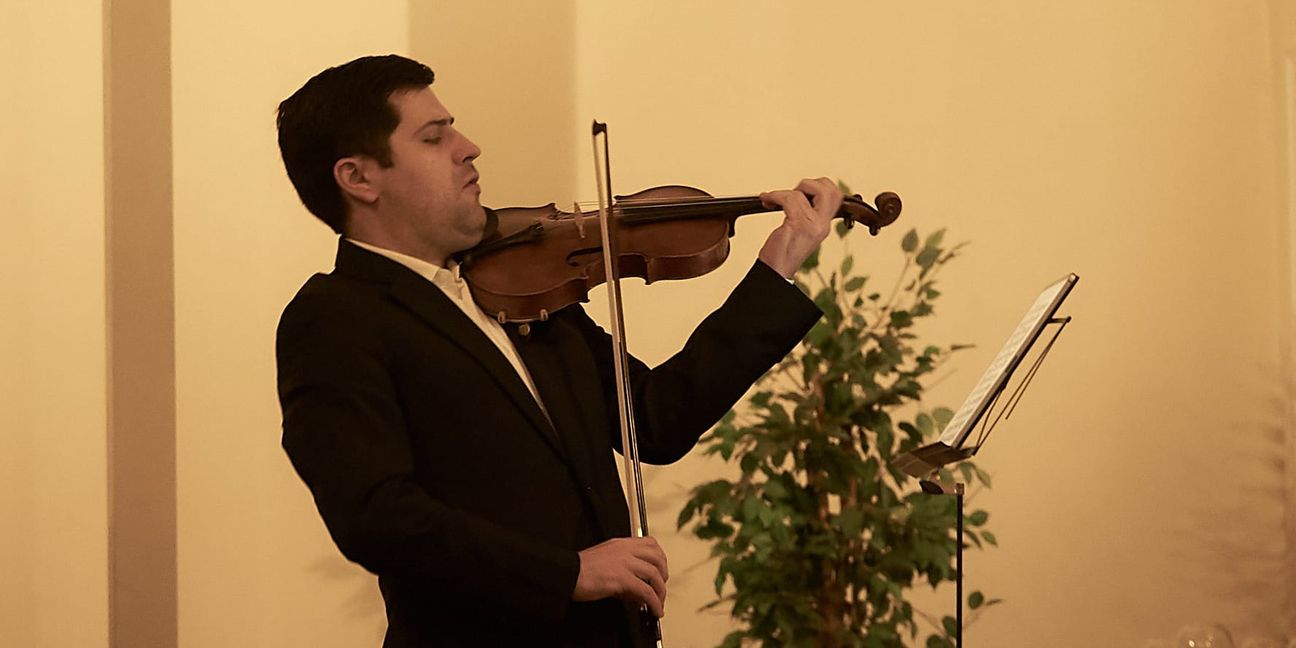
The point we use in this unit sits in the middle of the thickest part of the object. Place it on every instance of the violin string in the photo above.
(669, 201)
(684, 200)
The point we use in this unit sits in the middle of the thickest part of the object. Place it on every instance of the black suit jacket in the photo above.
(434, 468)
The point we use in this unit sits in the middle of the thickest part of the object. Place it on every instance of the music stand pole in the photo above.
(934, 488)
(958, 567)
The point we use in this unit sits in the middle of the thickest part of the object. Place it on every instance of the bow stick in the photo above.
(650, 625)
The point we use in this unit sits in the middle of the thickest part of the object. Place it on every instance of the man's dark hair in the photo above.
(344, 110)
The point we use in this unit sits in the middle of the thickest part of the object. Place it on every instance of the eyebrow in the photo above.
(436, 122)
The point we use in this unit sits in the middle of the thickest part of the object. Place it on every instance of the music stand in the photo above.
(952, 445)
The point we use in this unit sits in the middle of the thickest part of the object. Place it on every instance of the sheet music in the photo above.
(960, 426)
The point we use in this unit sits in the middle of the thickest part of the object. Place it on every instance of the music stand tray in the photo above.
(952, 445)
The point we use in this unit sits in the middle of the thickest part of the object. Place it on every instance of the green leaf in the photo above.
(820, 333)
(924, 423)
(912, 431)
(990, 537)
(775, 490)
(855, 283)
(733, 639)
(842, 228)
(975, 599)
(811, 261)
(686, 514)
(721, 575)
(709, 492)
(983, 476)
(978, 518)
(965, 469)
(714, 528)
(950, 625)
(942, 416)
(910, 241)
(726, 449)
(926, 258)
(885, 440)
(847, 264)
(850, 522)
(934, 239)
(826, 300)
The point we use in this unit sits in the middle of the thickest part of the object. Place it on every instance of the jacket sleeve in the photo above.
(345, 434)
(676, 402)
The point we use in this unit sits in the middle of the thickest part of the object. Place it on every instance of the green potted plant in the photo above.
(820, 539)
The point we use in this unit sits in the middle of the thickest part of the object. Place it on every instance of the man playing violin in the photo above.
(470, 466)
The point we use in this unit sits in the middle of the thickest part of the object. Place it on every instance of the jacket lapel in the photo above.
(562, 399)
(432, 305)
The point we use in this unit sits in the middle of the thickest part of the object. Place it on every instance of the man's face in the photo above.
(429, 196)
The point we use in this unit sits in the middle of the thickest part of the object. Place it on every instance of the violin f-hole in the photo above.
(575, 255)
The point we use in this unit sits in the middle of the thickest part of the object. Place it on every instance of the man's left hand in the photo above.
(808, 212)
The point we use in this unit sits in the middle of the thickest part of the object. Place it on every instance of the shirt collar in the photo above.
(446, 278)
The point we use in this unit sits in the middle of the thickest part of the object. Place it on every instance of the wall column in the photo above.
(141, 325)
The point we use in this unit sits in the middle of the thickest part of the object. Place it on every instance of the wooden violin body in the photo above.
(535, 260)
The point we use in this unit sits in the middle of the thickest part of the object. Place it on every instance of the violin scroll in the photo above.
(855, 210)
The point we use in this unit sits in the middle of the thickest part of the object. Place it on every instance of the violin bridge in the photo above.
(580, 219)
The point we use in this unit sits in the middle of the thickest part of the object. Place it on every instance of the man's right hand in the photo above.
(632, 569)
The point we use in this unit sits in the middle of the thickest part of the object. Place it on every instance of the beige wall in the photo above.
(1283, 25)
(508, 71)
(256, 567)
(1100, 139)
(1144, 483)
(1140, 487)
(53, 545)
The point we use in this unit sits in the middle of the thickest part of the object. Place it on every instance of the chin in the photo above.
(489, 222)
(480, 225)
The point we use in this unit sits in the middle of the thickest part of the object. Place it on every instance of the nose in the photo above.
(468, 150)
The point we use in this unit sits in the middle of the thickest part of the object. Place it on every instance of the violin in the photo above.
(536, 260)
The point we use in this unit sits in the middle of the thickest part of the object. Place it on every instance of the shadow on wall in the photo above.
(1245, 520)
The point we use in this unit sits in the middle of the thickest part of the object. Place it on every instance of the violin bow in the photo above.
(621, 363)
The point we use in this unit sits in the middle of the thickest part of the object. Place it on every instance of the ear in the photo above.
(356, 176)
